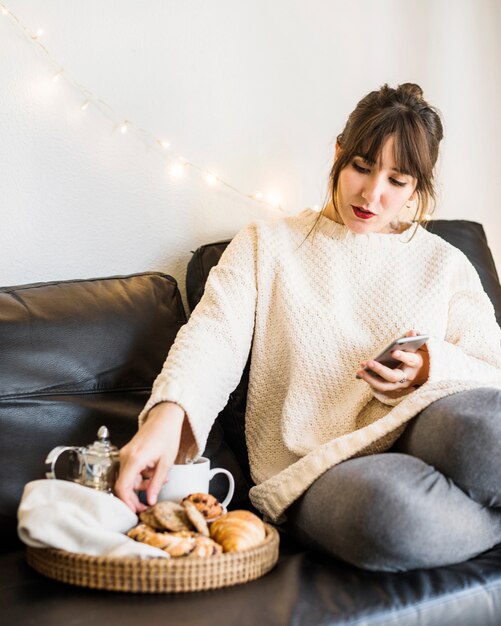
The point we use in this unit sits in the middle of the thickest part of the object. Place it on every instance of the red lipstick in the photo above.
(362, 213)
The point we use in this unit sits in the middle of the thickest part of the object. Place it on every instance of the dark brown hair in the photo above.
(417, 131)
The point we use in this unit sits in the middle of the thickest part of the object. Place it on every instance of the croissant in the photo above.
(237, 530)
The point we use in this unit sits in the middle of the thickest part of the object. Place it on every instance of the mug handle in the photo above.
(52, 458)
(231, 490)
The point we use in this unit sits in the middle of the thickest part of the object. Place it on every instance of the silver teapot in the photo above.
(95, 466)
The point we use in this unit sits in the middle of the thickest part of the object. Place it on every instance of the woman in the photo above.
(314, 297)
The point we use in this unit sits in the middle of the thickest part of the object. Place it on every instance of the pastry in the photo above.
(205, 547)
(201, 546)
(180, 543)
(238, 530)
(196, 518)
(148, 518)
(146, 534)
(208, 505)
(171, 516)
(176, 544)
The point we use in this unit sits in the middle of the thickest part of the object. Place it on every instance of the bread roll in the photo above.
(238, 530)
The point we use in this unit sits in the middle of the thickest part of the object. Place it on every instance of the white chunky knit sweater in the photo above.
(310, 313)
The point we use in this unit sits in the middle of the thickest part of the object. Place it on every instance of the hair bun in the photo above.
(411, 89)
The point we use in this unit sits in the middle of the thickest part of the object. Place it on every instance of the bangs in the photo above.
(410, 146)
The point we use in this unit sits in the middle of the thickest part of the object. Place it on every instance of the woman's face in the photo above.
(370, 196)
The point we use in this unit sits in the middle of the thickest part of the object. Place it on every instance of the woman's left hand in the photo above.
(412, 372)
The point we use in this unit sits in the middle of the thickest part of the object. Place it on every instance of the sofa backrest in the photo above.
(76, 355)
(470, 238)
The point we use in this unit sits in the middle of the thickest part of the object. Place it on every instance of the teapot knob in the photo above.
(103, 434)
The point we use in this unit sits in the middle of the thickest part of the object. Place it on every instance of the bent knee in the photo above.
(362, 510)
(392, 512)
(468, 407)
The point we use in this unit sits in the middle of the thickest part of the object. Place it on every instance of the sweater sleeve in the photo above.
(470, 351)
(471, 348)
(208, 356)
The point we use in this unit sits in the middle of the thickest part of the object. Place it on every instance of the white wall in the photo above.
(255, 90)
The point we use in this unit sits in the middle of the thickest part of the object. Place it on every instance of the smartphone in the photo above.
(406, 344)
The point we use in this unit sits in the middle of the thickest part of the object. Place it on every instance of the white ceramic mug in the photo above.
(193, 478)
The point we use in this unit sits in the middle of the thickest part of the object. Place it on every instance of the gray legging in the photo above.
(431, 500)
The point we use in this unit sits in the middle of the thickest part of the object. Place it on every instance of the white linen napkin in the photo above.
(61, 514)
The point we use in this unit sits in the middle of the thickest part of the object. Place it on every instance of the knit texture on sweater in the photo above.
(310, 311)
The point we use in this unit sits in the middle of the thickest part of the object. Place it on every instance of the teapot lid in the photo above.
(102, 447)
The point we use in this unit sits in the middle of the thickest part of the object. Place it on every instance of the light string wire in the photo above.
(179, 162)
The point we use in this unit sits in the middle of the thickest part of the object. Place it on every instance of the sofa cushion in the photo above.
(305, 588)
(76, 355)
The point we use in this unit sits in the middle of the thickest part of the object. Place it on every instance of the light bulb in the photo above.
(211, 178)
(176, 170)
(274, 198)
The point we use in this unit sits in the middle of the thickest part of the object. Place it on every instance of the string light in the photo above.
(211, 178)
(273, 199)
(177, 170)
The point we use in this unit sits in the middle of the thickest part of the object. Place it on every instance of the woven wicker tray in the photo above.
(157, 575)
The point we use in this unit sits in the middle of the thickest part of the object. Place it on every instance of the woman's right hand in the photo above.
(146, 460)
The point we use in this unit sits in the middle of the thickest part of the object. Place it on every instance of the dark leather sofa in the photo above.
(78, 354)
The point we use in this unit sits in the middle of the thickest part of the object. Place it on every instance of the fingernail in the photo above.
(153, 498)
(357, 376)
